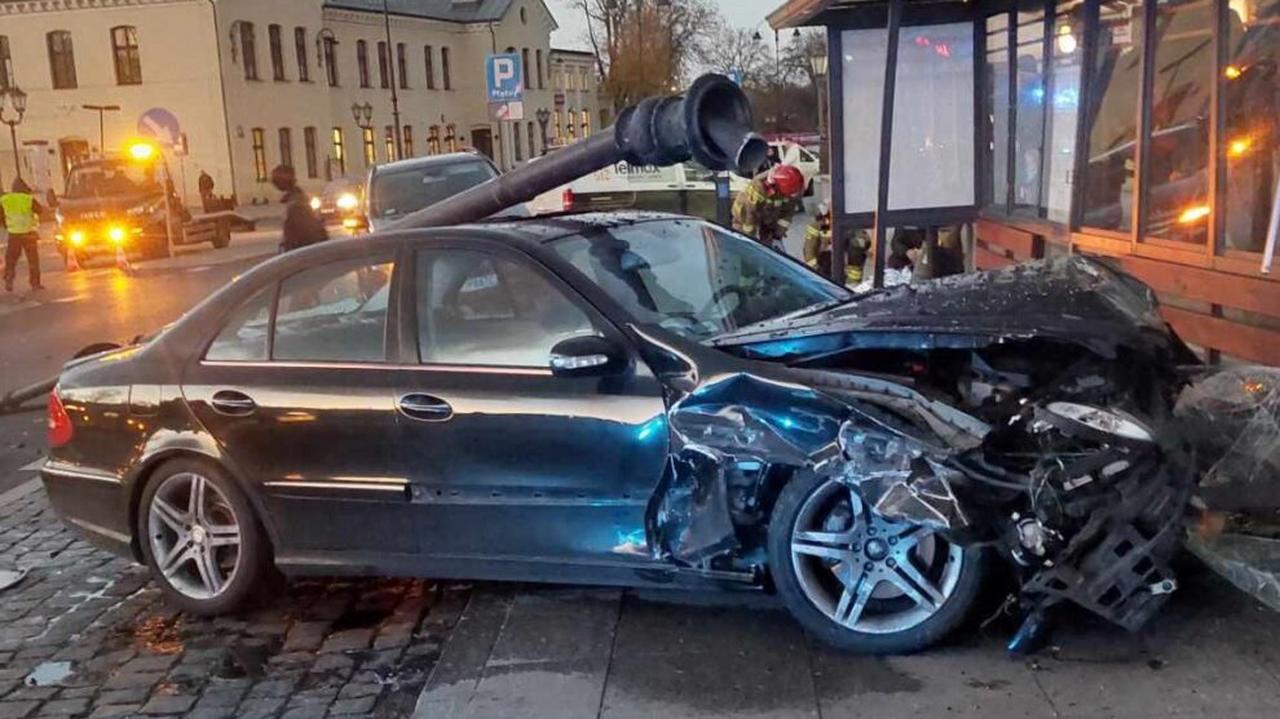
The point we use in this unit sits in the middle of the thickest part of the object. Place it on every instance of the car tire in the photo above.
(237, 569)
(799, 578)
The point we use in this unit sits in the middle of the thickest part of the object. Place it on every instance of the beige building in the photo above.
(579, 109)
(256, 83)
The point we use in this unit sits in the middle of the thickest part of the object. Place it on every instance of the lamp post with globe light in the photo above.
(13, 106)
(818, 64)
(543, 116)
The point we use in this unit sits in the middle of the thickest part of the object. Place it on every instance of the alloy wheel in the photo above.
(194, 535)
(867, 573)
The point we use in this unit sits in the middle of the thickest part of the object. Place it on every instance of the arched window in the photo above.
(300, 49)
(124, 48)
(62, 60)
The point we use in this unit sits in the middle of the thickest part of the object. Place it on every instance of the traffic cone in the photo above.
(122, 260)
(73, 265)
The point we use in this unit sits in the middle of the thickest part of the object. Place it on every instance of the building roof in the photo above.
(450, 10)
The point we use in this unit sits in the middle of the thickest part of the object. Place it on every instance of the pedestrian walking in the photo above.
(205, 185)
(20, 213)
(301, 225)
(764, 208)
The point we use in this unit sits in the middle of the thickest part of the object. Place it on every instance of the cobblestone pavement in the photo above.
(87, 635)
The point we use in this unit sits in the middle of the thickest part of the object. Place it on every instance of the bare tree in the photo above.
(733, 49)
(645, 47)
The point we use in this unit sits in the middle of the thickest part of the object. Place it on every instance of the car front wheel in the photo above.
(200, 537)
(861, 582)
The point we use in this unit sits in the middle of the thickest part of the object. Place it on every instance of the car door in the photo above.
(297, 390)
(506, 460)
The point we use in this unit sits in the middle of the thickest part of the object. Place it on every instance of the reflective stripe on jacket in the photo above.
(19, 213)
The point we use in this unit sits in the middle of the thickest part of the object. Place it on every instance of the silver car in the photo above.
(396, 189)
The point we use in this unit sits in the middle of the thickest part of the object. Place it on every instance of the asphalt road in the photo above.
(41, 330)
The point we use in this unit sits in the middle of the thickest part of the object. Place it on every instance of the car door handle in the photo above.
(232, 403)
(425, 407)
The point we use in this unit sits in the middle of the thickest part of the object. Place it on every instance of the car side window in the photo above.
(244, 338)
(334, 313)
(479, 309)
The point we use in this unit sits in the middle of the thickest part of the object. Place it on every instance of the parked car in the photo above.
(685, 188)
(642, 400)
(398, 188)
(341, 203)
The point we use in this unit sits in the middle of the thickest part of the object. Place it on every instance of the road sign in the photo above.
(504, 77)
(501, 111)
(160, 125)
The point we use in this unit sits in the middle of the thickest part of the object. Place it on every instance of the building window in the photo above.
(62, 60)
(309, 148)
(362, 62)
(1028, 130)
(1111, 122)
(515, 142)
(6, 64)
(277, 52)
(300, 49)
(996, 77)
(248, 51)
(430, 62)
(402, 65)
(406, 140)
(389, 143)
(331, 61)
(286, 146)
(524, 69)
(533, 142)
(124, 49)
(444, 68)
(559, 131)
(1177, 166)
(451, 137)
(538, 57)
(384, 67)
(586, 123)
(339, 157)
(370, 149)
(1062, 106)
(433, 140)
(259, 154)
(1251, 86)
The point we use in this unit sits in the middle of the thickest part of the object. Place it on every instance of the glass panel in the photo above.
(1112, 117)
(1029, 132)
(1252, 123)
(401, 191)
(1066, 51)
(334, 313)
(477, 309)
(244, 338)
(997, 93)
(863, 86)
(1178, 166)
(931, 159)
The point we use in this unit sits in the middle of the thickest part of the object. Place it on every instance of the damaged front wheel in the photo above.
(861, 582)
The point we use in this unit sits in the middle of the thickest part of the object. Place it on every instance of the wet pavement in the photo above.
(87, 635)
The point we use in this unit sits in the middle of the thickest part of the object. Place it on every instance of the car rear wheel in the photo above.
(201, 538)
(861, 582)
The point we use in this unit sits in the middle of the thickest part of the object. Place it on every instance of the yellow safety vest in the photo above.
(19, 213)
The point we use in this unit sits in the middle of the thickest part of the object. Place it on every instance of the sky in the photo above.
(573, 28)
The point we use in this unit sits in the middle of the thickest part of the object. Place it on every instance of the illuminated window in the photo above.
(389, 142)
(586, 123)
(339, 157)
(433, 140)
(124, 49)
(1250, 143)
(406, 139)
(259, 154)
(370, 149)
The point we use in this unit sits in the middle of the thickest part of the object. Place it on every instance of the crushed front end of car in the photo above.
(1046, 436)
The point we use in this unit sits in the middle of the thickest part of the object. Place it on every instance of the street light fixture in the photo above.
(543, 116)
(101, 110)
(363, 115)
(16, 99)
(818, 64)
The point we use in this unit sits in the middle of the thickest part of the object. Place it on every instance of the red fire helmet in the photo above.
(787, 179)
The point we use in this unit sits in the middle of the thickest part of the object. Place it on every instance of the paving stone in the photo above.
(347, 707)
(134, 679)
(169, 704)
(115, 711)
(260, 708)
(132, 695)
(65, 707)
(17, 710)
(211, 713)
(150, 663)
(348, 640)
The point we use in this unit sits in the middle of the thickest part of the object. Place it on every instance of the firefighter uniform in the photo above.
(817, 250)
(763, 213)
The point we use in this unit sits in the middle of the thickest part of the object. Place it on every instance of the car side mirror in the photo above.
(589, 356)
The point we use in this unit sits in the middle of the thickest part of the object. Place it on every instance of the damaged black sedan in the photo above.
(648, 400)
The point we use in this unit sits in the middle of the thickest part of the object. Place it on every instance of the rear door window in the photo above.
(244, 338)
(334, 313)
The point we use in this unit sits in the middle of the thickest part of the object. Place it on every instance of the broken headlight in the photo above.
(1105, 421)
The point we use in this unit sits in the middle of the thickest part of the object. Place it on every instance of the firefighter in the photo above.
(763, 209)
(817, 248)
(19, 213)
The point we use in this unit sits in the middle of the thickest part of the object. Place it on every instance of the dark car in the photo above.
(636, 399)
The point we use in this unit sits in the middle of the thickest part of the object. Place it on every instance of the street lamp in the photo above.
(363, 115)
(543, 116)
(101, 110)
(16, 99)
(818, 64)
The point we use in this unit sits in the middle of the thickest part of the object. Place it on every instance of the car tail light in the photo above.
(60, 429)
(566, 200)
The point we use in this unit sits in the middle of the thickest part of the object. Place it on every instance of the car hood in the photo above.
(1074, 299)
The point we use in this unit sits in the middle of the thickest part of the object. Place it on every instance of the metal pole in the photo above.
(886, 139)
(102, 132)
(13, 137)
(391, 74)
(168, 210)
(1269, 252)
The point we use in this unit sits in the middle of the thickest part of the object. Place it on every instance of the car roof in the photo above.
(428, 160)
(541, 229)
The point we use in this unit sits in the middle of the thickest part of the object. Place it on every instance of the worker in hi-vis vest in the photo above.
(19, 213)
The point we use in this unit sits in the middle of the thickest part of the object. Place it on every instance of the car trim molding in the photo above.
(454, 368)
(98, 529)
(344, 484)
(67, 472)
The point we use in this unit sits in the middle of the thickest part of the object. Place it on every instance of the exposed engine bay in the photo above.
(1060, 456)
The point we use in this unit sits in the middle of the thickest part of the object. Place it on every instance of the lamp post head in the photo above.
(818, 63)
(367, 111)
(17, 99)
(355, 112)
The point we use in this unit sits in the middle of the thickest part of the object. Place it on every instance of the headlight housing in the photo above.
(315, 203)
(1107, 421)
(347, 201)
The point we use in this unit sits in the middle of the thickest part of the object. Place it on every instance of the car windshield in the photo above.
(110, 178)
(694, 278)
(398, 192)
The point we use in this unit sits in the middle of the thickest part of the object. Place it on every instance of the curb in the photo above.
(19, 492)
